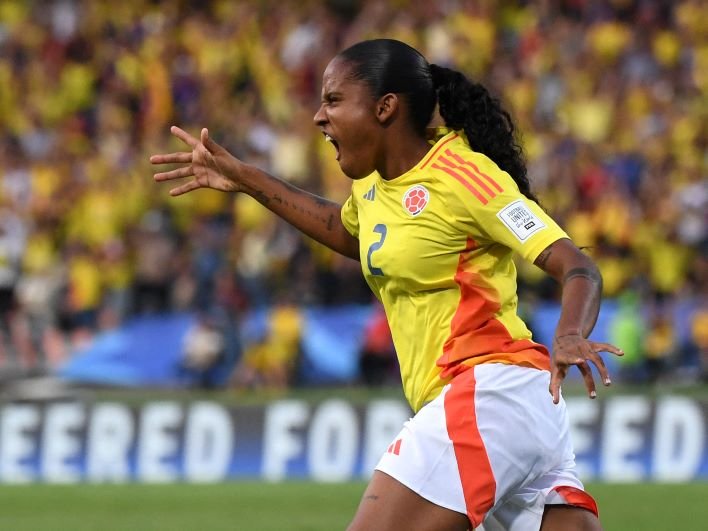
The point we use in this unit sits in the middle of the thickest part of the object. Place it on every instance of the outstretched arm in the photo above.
(580, 305)
(211, 166)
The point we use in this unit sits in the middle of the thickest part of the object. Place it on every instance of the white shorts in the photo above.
(492, 446)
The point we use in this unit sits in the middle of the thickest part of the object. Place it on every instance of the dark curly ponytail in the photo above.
(469, 106)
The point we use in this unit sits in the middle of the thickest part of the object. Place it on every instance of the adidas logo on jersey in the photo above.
(370, 194)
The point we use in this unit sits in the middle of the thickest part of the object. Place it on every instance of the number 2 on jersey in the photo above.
(378, 229)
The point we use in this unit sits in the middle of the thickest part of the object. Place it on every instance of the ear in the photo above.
(387, 107)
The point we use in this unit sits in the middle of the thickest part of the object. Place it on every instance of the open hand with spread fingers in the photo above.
(209, 164)
(574, 349)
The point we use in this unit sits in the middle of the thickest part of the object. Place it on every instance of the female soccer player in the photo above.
(434, 222)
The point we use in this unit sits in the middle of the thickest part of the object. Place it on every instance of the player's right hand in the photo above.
(210, 165)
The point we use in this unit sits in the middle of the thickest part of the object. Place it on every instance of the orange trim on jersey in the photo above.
(478, 484)
(531, 358)
(578, 498)
(476, 335)
(461, 161)
(430, 157)
(469, 174)
(462, 181)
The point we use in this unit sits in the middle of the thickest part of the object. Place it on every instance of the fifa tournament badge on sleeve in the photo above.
(520, 220)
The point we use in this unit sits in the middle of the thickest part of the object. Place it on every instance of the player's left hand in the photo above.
(574, 349)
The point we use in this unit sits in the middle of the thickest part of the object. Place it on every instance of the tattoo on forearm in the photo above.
(371, 497)
(542, 258)
(314, 211)
(262, 198)
(584, 272)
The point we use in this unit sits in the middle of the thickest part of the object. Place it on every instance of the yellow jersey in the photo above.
(436, 247)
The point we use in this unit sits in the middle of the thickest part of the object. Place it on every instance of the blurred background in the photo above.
(107, 283)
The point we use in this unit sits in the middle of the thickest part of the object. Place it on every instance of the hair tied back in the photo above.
(437, 73)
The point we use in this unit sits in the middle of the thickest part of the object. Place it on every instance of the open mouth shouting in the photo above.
(328, 138)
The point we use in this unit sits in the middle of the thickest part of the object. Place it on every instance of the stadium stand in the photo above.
(610, 97)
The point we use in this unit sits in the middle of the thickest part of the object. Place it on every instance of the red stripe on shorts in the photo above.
(578, 498)
(478, 483)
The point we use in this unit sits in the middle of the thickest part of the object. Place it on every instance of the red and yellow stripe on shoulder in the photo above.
(443, 143)
(467, 172)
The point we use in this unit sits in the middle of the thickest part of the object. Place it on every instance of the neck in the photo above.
(400, 154)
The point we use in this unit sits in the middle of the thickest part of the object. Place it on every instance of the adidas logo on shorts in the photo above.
(395, 447)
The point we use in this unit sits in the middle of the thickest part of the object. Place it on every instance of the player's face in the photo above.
(348, 120)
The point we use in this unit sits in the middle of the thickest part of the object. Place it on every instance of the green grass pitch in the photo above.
(292, 506)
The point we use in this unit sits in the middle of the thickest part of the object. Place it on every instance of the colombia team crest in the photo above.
(415, 199)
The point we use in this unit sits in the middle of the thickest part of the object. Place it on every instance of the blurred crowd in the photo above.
(611, 97)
